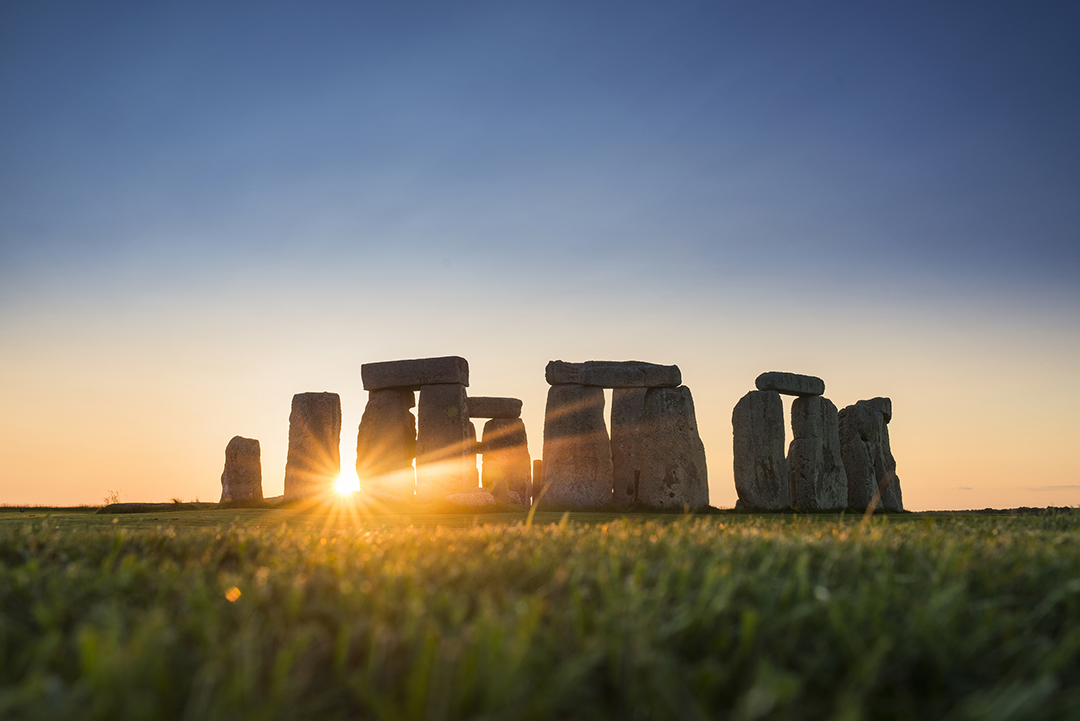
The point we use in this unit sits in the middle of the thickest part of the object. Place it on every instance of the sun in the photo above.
(346, 484)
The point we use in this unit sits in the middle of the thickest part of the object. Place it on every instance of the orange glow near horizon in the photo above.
(347, 483)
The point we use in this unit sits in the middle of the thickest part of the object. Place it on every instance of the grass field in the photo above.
(283, 614)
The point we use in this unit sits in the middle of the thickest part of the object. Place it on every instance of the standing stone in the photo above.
(627, 409)
(242, 478)
(816, 473)
(506, 459)
(761, 477)
(791, 384)
(868, 459)
(577, 452)
(314, 460)
(386, 443)
(442, 439)
(672, 457)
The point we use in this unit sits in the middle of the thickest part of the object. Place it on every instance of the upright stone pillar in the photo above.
(442, 440)
(627, 409)
(671, 455)
(241, 480)
(506, 460)
(386, 443)
(761, 476)
(314, 459)
(817, 478)
(868, 459)
(577, 451)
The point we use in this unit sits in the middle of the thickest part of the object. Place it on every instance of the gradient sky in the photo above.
(208, 207)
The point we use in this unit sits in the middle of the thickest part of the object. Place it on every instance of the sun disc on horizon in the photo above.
(345, 485)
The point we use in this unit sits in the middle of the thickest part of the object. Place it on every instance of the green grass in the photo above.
(592, 616)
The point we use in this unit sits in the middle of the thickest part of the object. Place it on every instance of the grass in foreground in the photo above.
(270, 615)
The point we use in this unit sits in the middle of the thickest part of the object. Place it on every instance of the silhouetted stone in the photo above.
(242, 478)
(612, 374)
(412, 374)
(577, 452)
(672, 457)
(791, 384)
(507, 469)
(314, 459)
(627, 409)
(761, 476)
(868, 459)
(442, 443)
(386, 443)
(815, 468)
(489, 407)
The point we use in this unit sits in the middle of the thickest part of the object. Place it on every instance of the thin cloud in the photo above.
(1072, 487)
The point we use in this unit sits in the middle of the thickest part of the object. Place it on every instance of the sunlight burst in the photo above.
(346, 484)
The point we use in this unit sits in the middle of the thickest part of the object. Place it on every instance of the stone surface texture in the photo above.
(613, 374)
(577, 451)
(673, 473)
(242, 478)
(386, 443)
(816, 473)
(507, 466)
(475, 499)
(490, 407)
(761, 476)
(412, 374)
(868, 459)
(314, 459)
(791, 384)
(627, 409)
(444, 443)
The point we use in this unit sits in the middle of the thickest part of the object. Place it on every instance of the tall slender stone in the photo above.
(815, 467)
(577, 451)
(507, 468)
(627, 409)
(314, 459)
(442, 442)
(386, 443)
(673, 472)
(241, 480)
(867, 456)
(761, 476)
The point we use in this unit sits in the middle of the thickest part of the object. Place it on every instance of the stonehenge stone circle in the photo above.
(761, 475)
(868, 459)
(443, 442)
(386, 443)
(791, 384)
(314, 459)
(507, 467)
(627, 409)
(488, 407)
(612, 374)
(577, 451)
(817, 478)
(673, 473)
(412, 374)
(242, 478)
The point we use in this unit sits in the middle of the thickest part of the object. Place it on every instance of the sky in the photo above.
(208, 207)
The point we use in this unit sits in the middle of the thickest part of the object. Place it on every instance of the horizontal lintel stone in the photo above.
(491, 407)
(791, 384)
(613, 374)
(412, 374)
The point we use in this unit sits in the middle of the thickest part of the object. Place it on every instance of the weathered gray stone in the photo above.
(386, 443)
(443, 443)
(507, 468)
(791, 384)
(314, 459)
(411, 374)
(475, 499)
(489, 407)
(867, 456)
(815, 468)
(613, 374)
(242, 478)
(577, 452)
(672, 457)
(627, 409)
(761, 476)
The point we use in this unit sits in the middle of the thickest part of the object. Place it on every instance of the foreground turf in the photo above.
(279, 615)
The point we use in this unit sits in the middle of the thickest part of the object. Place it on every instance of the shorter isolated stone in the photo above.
(613, 374)
(478, 499)
(791, 384)
(491, 407)
(761, 474)
(411, 374)
(314, 459)
(241, 480)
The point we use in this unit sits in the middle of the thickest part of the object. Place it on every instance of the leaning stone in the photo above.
(411, 374)
(613, 374)
(867, 456)
(488, 407)
(673, 472)
(791, 384)
(761, 476)
(314, 459)
(507, 467)
(386, 443)
(577, 452)
(627, 409)
(242, 478)
(442, 442)
(816, 473)
(478, 499)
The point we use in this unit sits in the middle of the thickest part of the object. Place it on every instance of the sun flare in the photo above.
(346, 484)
